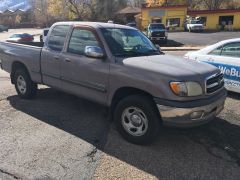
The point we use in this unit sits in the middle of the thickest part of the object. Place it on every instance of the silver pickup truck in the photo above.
(118, 67)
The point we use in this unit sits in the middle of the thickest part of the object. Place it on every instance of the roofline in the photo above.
(213, 11)
(166, 7)
(92, 24)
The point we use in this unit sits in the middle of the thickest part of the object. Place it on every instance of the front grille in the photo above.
(214, 83)
(158, 34)
(198, 27)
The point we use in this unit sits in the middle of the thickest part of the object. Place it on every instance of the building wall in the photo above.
(213, 20)
(148, 14)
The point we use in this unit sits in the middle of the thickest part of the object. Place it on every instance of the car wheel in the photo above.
(137, 119)
(25, 87)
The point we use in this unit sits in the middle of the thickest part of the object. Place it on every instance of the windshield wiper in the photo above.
(138, 53)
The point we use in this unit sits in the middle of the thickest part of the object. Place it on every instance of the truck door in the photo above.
(228, 60)
(51, 53)
(82, 75)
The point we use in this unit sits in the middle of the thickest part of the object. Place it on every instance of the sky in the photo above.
(13, 5)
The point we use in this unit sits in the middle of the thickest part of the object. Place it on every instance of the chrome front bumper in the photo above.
(190, 117)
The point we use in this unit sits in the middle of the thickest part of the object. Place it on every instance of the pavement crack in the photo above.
(92, 154)
(9, 174)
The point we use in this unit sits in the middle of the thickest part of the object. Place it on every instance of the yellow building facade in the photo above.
(172, 16)
(216, 19)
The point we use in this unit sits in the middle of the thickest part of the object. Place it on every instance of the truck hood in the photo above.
(196, 25)
(171, 66)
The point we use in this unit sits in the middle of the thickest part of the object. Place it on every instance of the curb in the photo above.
(181, 48)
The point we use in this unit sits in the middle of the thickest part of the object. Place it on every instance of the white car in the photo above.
(194, 26)
(226, 56)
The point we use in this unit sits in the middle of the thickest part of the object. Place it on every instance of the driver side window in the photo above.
(80, 39)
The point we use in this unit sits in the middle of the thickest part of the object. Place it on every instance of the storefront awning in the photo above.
(130, 10)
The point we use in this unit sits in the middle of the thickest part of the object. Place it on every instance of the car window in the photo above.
(231, 49)
(157, 26)
(57, 37)
(15, 36)
(216, 51)
(128, 42)
(80, 39)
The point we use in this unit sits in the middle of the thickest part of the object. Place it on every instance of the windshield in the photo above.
(128, 42)
(157, 26)
(195, 22)
(15, 36)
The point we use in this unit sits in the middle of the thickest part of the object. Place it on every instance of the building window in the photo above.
(203, 20)
(226, 20)
(173, 22)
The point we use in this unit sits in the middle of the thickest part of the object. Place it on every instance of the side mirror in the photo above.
(159, 49)
(94, 52)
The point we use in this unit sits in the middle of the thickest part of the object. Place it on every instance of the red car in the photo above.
(21, 38)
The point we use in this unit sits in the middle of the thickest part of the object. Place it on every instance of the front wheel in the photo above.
(25, 87)
(137, 119)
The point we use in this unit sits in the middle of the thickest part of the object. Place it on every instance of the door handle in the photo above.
(67, 60)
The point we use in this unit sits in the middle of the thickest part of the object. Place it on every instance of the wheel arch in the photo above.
(15, 66)
(124, 92)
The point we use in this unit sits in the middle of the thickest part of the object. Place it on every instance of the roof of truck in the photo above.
(94, 24)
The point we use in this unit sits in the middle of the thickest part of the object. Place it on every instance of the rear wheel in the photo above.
(25, 87)
(137, 119)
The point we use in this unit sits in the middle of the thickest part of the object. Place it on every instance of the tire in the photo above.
(24, 86)
(147, 119)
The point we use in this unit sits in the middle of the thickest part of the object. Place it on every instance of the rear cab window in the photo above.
(58, 37)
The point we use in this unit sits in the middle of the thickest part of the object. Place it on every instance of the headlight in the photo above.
(186, 88)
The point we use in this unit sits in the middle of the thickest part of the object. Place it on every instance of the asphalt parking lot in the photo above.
(60, 136)
(200, 39)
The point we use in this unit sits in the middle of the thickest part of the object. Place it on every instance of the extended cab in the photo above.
(118, 66)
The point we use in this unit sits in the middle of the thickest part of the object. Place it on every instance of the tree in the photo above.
(234, 4)
(213, 4)
(152, 3)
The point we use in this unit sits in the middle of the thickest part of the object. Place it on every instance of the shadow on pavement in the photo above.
(198, 153)
(234, 95)
(170, 43)
(69, 113)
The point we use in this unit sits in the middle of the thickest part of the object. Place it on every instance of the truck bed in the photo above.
(29, 55)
